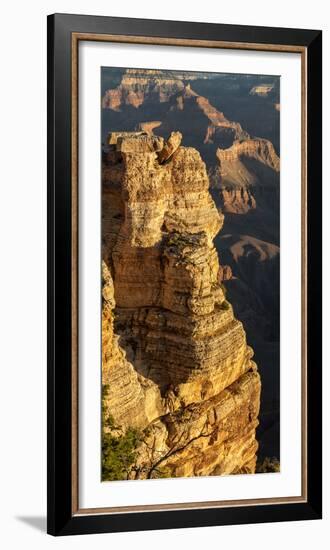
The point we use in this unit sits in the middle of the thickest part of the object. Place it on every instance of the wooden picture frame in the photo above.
(64, 35)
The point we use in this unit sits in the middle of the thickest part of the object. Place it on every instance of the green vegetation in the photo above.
(174, 239)
(118, 454)
(225, 305)
(161, 473)
(268, 465)
(118, 451)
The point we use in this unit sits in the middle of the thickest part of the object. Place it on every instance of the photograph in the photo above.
(190, 273)
(184, 265)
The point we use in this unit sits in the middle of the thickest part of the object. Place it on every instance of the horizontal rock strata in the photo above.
(249, 175)
(131, 399)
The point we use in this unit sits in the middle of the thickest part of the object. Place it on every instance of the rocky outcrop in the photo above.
(224, 273)
(141, 85)
(219, 124)
(261, 150)
(188, 107)
(237, 200)
(248, 174)
(171, 145)
(262, 89)
(131, 399)
(174, 323)
(143, 94)
(149, 126)
(137, 86)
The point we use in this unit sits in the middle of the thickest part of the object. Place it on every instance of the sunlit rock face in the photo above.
(131, 399)
(180, 358)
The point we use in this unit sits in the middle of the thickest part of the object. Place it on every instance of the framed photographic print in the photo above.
(184, 274)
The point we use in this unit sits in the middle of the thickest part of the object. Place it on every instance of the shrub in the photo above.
(118, 450)
(268, 465)
(118, 454)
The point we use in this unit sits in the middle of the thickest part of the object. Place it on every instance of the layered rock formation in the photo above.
(131, 399)
(262, 89)
(248, 173)
(216, 126)
(186, 367)
(140, 85)
(201, 123)
(145, 93)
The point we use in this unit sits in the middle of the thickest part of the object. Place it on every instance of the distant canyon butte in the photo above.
(234, 122)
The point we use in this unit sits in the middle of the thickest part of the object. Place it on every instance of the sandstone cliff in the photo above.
(173, 351)
(140, 85)
(131, 399)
